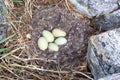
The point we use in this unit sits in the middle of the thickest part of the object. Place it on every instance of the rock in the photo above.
(92, 8)
(101, 7)
(3, 32)
(81, 6)
(106, 12)
(112, 77)
(3, 20)
(103, 54)
(109, 21)
(3, 27)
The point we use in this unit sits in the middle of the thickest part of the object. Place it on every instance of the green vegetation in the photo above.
(2, 41)
(4, 10)
(15, 0)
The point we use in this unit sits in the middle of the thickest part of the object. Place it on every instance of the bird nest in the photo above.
(26, 61)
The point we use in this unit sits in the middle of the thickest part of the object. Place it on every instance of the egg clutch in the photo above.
(52, 40)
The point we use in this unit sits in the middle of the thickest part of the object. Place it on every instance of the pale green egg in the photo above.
(61, 41)
(58, 32)
(42, 43)
(48, 35)
(53, 47)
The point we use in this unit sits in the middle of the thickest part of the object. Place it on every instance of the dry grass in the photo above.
(20, 63)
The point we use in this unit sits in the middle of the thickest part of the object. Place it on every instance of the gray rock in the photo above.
(112, 77)
(103, 53)
(3, 32)
(109, 21)
(3, 20)
(106, 12)
(81, 6)
(101, 7)
(92, 8)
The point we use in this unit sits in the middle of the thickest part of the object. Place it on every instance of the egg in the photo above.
(61, 41)
(58, 32)
(53, 47)
(42, 43)
(48, 35)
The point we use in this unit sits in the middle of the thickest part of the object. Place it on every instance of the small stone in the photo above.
(28, 36)
(48, 35)
(58, 33)
(42, 43)
(53, 47)
(61, 41)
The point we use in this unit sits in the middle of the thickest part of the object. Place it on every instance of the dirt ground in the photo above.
(27, 62)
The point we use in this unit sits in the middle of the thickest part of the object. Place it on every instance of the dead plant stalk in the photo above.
(52, 71)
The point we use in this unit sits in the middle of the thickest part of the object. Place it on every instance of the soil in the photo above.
(71, 56)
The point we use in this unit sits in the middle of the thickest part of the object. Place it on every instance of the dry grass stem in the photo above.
(32, 67)
(12, 52)
(31, 59)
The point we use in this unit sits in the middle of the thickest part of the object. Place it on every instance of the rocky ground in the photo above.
(105, 12)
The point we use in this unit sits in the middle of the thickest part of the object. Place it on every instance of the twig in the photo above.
(13, 51)
(6, 78)
(52, 71)
(77, 72)
(34, 75)
(31, 59)
(36, 68)
(9, 71)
